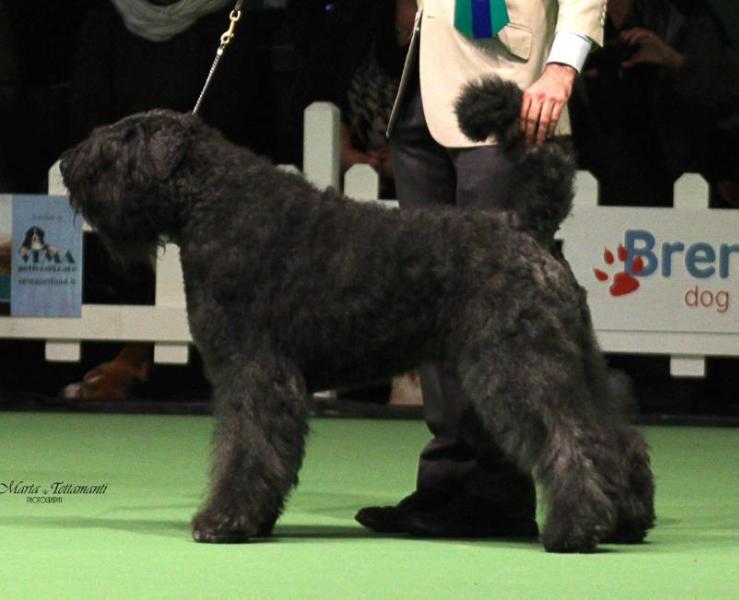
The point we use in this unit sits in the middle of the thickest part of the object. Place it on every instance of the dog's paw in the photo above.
(571, 537)
(572, 544)
(266, 528)
(209, 536)
(626, 535)
(636, 514)
(631, 531)
(218, 529)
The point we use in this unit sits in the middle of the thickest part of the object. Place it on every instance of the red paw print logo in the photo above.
(623, 282)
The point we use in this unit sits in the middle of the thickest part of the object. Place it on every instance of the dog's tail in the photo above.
(542, 188)
(489, 108)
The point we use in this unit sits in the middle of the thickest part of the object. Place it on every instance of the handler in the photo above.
(465, 487)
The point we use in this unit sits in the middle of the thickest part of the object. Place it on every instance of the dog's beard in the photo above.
(129, 242)
(131, 253)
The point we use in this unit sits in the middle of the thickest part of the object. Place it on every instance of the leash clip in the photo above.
(228, 35)
(226, 38)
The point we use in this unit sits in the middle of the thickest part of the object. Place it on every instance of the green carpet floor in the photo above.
(133, 541)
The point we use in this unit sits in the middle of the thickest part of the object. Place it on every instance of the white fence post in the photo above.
(586, 189)
(687, 366)
(321, 156)
(60, 350)
(170, 293)
(321, 145)
(362, 182)
(691, 192)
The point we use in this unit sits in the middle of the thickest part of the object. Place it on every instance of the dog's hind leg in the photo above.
(635, 505)
(261, 409)
(635, 501)
(529, 387)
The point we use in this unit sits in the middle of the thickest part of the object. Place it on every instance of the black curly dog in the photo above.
(291, 289)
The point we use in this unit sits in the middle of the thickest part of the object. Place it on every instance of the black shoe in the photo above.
(427, 514)
(471, 517)
(386, 519)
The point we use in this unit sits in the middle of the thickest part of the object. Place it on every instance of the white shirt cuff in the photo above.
(570, 48)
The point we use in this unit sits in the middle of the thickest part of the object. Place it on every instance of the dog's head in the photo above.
(34, 238)
(121, 179)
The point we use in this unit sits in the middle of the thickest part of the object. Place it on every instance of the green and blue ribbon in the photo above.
(479, 19)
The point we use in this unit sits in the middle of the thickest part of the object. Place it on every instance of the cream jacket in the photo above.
(448, 59)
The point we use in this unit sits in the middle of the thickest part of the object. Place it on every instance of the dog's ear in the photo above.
(74, 166)
(166, 148)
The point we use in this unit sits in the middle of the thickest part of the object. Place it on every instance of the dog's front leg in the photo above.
(261, 409)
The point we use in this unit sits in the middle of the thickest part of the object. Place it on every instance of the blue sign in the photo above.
(46, 278)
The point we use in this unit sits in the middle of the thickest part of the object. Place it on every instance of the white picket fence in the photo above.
(652, 321)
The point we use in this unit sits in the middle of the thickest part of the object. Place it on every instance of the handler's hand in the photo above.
(652, 49)
(544, 101)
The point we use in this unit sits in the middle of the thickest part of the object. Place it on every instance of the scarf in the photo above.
(161, 23)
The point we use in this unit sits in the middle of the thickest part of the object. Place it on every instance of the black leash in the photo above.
(226, 38)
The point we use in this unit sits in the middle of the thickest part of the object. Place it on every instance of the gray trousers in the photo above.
(461, 457)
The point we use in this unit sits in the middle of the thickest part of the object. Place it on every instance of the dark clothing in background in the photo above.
(331, 44)
(117, 73)
(9, 88)
(639, 129)
(37, 46)
(334, 42)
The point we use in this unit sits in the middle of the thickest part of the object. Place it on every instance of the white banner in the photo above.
(657, 269)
